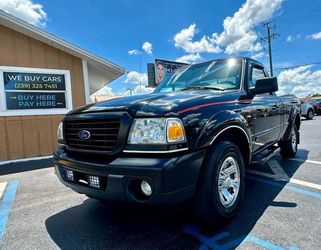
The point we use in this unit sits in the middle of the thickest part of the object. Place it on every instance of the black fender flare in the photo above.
(221, 122)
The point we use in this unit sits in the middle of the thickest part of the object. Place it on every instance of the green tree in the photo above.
(290, 95)
(316, 95)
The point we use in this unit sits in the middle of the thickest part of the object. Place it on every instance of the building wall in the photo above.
(30, 136)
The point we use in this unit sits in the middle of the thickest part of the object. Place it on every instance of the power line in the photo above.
(296, 66)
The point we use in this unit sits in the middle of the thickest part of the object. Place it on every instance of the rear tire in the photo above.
(310, 114)
(290, 147)
(220, 186)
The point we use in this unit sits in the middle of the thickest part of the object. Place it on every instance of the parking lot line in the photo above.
(282, 178)
(303, 160)
(305, 183)
(213, 242)
(278, 170)
(2, 188)
(5, 205)
(280, 175)
(286, 186)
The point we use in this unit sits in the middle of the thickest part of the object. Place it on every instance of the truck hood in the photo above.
(159, 104)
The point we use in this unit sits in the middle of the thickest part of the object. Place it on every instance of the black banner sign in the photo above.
(32, 100)
(151, 74)
(33, 81)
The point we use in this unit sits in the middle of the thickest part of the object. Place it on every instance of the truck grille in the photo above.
(103, 134)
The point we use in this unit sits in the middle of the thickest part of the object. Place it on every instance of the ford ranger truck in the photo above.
(190, 140)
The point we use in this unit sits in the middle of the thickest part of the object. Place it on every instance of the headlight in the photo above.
(156, 131)
(60, 133)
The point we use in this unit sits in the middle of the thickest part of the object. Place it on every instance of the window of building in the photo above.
(34, 91)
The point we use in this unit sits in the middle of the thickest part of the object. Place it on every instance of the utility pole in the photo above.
(130, 91)
(270, 35)
(140, 68)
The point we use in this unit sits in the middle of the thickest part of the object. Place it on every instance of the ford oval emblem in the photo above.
(84, 134)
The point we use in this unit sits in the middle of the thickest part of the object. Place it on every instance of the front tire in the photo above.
(220, 187)
(290, 147)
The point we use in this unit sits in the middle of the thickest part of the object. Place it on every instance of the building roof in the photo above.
(112, 70)
(101, 98)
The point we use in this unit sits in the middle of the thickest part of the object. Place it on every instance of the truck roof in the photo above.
(236, 57)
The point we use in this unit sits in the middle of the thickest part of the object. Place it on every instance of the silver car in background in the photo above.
(307, 110)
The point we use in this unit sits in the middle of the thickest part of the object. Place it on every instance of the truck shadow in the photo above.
(98, 225)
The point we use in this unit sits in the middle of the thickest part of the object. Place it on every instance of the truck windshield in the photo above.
(219, 75)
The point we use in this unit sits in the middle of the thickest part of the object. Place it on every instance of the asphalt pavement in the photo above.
(281, 210)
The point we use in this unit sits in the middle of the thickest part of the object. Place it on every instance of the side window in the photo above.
(256, 74)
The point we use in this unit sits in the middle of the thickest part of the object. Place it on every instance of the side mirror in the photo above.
(264, 85)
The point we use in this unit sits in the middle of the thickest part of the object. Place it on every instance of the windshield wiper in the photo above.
(202, 88)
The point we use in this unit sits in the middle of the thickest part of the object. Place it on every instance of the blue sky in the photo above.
(175, 29)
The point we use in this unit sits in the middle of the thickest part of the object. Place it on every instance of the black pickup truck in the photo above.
(190, 140)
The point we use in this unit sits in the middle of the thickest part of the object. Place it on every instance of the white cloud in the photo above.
(132, 77)
(315, 36)
(289, 38)
(258, 55)
(138, 90)
(292, 38)
(184, 40)
(136, 78)
(26, 10)
(190, 58)
(301, 81)
(133, 52)
(238, 33)
(147, 47)
(105, 91)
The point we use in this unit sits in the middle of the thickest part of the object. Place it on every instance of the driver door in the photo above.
(266, 112)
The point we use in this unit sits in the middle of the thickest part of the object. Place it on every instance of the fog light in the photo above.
(146, 188)
(93, 181)
(69, 175)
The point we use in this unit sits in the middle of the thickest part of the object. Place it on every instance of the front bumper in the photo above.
(173, 179)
